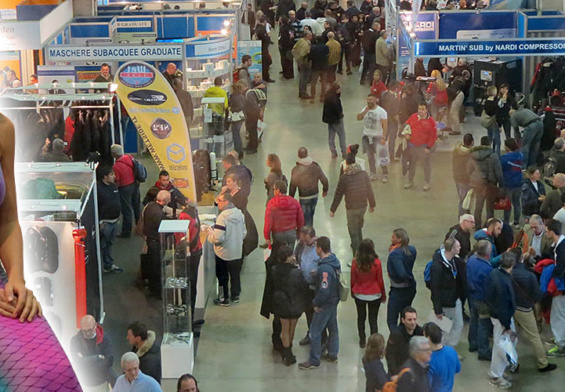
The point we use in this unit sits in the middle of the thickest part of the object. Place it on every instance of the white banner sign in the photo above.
(114, 52)
(134, 24)
(212, 48)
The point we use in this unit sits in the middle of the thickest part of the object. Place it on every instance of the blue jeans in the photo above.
(530, 143)
(327, 318)
(287, 238)
(462, 190)
(129, 202)
(494, 134)
(515, 195)
(398, 299)
(339, 130)
(235, 130)
(308, 208)
(107, 237)
(479, 330)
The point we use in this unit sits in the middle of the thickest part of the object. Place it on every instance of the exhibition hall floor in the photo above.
(234, 351)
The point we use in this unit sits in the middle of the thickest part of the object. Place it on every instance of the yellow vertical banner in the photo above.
(157, 115)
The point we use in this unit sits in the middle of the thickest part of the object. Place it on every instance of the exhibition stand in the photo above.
(494, 35)
(58, 213)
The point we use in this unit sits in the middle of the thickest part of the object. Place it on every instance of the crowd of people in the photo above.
(503, 276)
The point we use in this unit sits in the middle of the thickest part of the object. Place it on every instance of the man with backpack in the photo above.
(243, 71)
(325, 306)
(445, 282)
(128, 187)
(254, 108)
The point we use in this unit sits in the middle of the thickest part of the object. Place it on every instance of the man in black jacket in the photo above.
(356, 186)
(319, 55)
(109, 213)
(305, 177)
(462, 233)
(91, 352)
(416, 379)
(147, 349)
(446, 285)
(397, 351)
(369, 40)
(527, 291)
(153, 214)
(286, 43)
(557, 321)
(263, 36)
(501, 301)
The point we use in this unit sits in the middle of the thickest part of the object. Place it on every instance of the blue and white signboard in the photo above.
(531, 47)
(424, 28)
(252, 48)
(114, 53)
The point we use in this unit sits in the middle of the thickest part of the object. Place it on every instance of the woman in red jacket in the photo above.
(367, 287)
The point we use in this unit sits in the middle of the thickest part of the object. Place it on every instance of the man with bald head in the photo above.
(133, 379)
(552, 202)
(334, 56)
(92, 356)
(171, 73)
(153, 214)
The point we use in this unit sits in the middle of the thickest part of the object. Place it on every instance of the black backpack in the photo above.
(202, 172)
(41, 249)
(139, 171)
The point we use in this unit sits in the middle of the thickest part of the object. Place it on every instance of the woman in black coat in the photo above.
(333, 116)
(289, 298)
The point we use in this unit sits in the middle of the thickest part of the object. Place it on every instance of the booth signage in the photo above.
(489, 48)
(155, 111)
(134, 24)
(208, 48)
(114, 52)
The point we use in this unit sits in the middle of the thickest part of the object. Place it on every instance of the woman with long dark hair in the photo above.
(367, 287)
(400, 263)
(372, 364)
(289, 298)
(274, 163)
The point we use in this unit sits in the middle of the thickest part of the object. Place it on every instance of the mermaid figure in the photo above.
(31, 358)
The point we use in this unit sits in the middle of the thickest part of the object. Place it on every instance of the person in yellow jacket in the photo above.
(216, 91)
(333, 57)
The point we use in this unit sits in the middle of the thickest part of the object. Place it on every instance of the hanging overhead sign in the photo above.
(533, 47)
(114, 52)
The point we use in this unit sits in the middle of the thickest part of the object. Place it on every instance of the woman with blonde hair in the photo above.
(374, 368)
(437, 92)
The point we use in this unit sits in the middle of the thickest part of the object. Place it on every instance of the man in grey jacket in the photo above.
(227, 236)
(533, 131)
(485, 173)
(305, 177)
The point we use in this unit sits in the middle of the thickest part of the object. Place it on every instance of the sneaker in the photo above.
(329, 358)
(307, 366)
(548, 368)
(550, 342)
(556, 352)
(500, 382)
(516, 226)
(373, 177)
(408, 185)
(362, 343)
(222, 302)
(350, 264)
(385, 179)
(426, 187)
(235, 299)
(114, 268)
(305, 341)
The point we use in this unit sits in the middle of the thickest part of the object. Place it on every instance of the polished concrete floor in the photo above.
(234, 352)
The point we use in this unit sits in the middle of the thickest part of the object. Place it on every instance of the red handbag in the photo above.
(503, 204)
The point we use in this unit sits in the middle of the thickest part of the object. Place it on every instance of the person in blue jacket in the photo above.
(444, 363)
(480, 326)
(325, 306)
(512, 174)
(489, 233)
(402, 283)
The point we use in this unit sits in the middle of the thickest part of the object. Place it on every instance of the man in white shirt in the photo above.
(307, 21)
(375, 129)
(560, 215)
(133, 380)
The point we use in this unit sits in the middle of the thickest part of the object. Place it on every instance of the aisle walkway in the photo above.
(235, 351)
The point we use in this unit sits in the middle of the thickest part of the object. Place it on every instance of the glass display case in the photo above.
(177, 347)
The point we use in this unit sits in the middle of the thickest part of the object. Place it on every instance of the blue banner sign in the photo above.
(535, 47)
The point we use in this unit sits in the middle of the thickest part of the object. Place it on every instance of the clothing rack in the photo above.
(43, 101)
